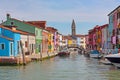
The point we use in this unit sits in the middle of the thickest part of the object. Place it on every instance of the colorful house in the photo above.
(99, 38)
(53, 33)
(29, 28)
(28, 42)
(64, 41)
(87, 42)
(91, 33)
(59, 41)
(82, 40)
(68, 41)
(45, 39)
(9, 41)
(110, 31)
(39, 26)
(104, 30)
(94, 38)
(114, 29)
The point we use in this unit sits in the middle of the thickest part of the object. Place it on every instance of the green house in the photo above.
(38, 33)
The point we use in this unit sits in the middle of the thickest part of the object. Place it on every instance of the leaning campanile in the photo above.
(73, 27)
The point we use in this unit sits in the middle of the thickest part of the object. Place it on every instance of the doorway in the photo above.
(11, 48)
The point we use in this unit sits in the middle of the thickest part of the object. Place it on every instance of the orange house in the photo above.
(45, 35)
(99, 38)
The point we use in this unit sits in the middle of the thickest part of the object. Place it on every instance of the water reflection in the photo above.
(74, 67)
(113, 73)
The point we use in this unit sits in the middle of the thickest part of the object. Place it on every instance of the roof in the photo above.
(16, 31)
(74, 37)
(103, 26)
(114, 10)
(39, 24)
(68, 37)
(23, 22)
(79, 35)
(51, 29)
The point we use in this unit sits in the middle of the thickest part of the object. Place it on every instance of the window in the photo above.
(53, 37)
(82, 38)
(26, 44)
(90, 39)
(118, 15)
(36, 32)
(32, 48)
(12, 23)
(2, 46)
(113, 18)
(81, 42)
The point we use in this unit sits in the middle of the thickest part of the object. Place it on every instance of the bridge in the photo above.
(75, 46)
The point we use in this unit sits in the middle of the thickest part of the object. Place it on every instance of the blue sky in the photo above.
(60, 13)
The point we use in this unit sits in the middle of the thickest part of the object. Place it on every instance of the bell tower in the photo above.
(73, 27)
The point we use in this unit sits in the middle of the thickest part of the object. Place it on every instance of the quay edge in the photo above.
(17, 61)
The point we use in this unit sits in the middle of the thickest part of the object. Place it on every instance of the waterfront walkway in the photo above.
(43, 56)
(19, 60)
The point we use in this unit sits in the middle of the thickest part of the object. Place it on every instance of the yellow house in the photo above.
(70, 42)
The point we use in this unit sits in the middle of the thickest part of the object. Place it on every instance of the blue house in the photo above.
(9, 41)
(110, 31)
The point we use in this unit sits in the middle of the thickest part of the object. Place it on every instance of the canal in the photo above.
(75, 67)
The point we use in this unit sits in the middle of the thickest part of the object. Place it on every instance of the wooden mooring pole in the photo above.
(23, 53)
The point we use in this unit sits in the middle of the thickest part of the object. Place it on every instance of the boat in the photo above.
(63, 53)
(94, 54)
(114, 59)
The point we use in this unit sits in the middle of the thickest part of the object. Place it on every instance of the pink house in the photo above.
(87, 41)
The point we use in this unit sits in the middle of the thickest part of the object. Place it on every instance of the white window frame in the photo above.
(12, 48)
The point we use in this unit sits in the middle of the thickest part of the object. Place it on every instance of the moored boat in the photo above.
(94, 54)
(114, 59)
(64, 53)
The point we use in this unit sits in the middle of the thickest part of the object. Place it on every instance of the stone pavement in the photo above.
(28, 58)
(42, 56)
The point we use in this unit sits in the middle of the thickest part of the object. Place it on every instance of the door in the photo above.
(11, 48)
(18, 47)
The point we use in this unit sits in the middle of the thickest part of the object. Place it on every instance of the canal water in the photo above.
(75, 67)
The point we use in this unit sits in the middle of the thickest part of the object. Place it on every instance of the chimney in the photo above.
(14, 28)
(8, 16)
